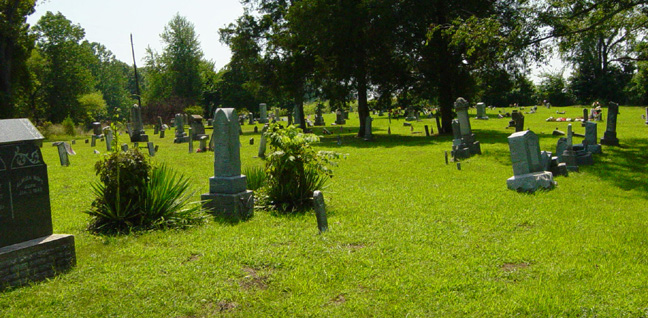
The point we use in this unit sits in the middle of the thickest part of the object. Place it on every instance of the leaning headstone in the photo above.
(320, 211)
(368, 133)
(262, 141)
(610, 135)
(137, 132)
(481, 111)
(63, 154)
(263, 113)
(528, 173)
(518, 118)
(228, 197)
(28, 249)
(467, 137)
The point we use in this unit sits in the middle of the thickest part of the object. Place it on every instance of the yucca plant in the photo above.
(133, 196)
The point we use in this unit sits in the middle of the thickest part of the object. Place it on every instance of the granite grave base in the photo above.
(36, 260)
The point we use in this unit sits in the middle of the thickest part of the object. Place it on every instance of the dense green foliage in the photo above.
(134, 196)
(294, 169)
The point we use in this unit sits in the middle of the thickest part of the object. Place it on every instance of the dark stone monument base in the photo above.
(461, 153)
(560, 170)
(584, 158)
(139, 138)
(36, 260)
(609, 139)
(228, 185)
(233, 207)
(531, 182)
(475, 148)
(180, 140)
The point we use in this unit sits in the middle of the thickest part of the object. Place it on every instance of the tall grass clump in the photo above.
(131, 195)
(295, 169)
(256, 177)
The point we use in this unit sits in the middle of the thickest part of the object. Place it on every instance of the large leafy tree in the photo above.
(175, 73)
(67, 75)
(15, 48)
(111, 80)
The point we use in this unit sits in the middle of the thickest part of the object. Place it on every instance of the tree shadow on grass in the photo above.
(625, 166)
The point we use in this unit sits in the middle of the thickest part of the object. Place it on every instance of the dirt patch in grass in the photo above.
(338, 300)
(191, 258)
(253, 280)
(511, 267)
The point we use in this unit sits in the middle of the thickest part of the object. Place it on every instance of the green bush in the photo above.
(68, 126)
(294, 169)
(194, 110)
(133, 196)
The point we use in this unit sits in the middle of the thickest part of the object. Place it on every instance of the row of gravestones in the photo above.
(534, 169)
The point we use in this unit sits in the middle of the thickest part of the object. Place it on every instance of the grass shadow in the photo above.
(624, 166)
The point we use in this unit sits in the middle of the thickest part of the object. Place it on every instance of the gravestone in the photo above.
(96, 129)
(28, 249)
(109, 138)
(161, 125)
(93, 143)
(610, 135)
(263, 113)
(228, 197)
(646, 115)
(411, 116)
(590, 142)
(196, 124)
(203, 143)
(528, 168)
(63, 154)
(339, 117)
(250, 117)
(180, 134)
(320, 211)
(319, 118)
(263, 141)
(518, 119)
(368, 134)
(467, 137)
(137, 132)
(151, 149)
(481, 111)
(190, 140)
(568, 155)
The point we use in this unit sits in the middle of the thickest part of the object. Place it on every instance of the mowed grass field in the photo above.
(409, 236)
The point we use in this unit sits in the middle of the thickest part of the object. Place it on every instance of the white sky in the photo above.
(110, 22)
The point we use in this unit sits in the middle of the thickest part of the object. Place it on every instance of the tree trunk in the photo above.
(363, 109)
(6, 55)
(446, 78)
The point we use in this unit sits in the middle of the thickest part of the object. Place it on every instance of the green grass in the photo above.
(409, 235)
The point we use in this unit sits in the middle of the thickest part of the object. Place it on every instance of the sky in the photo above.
(111, 23)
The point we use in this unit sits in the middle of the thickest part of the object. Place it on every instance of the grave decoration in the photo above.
(29, 251)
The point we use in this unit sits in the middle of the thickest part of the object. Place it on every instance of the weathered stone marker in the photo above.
(464, 144)
(263, 141)
(368, 133)
(28, 249)
(263, 113)
(528, 173)
(339, 117)
(180, 134)
(63, 154)
(610, 136)
(518, 118)
(228, 197)
(481, 111)
(137, 132)
(320, 211)
(319, 118)
(151, 149)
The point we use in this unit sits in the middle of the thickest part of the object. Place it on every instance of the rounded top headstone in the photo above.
(461, 104)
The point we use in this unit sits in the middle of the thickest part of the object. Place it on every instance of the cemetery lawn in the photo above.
(409, 235)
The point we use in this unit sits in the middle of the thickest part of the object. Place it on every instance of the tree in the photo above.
(111, 80)
(15, 47)
(176, 72)
(67, 74)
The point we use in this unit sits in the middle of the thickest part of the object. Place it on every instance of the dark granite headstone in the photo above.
(24, 191)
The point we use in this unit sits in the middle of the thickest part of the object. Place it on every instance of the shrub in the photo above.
(294, 170)
(256, 177)
(194, 110)
(68, 126)
(133, 196)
